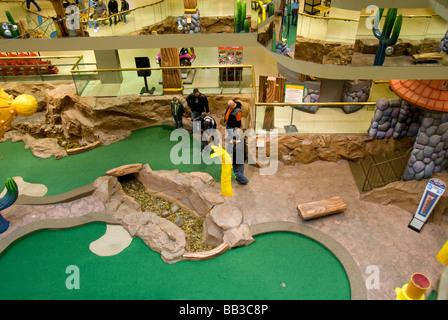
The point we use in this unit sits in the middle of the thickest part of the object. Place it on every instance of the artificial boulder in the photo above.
(195, 191)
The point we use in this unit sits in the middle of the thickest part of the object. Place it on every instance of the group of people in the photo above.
(100, 10)
(200, 115)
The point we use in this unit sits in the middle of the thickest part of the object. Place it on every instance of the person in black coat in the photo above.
(113, 9)
(198, 103)
(177, 110)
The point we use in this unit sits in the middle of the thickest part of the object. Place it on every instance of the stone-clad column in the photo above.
(394, 119)
(429, 155)
(192, 16)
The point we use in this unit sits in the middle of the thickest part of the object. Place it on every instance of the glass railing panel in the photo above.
(142, 14)
(326, 120)
(125, 81)
(421, 32)
(310, 27)
(341, 30)
(437, 27)
(415, 28)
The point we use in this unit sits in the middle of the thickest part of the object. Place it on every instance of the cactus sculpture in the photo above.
(239, 19)
(387, 37)
(12, 192)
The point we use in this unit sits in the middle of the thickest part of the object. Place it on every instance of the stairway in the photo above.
(379, 170)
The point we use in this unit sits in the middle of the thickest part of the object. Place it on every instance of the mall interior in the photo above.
(315, 72)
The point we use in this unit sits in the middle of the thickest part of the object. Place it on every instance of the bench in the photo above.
(321, 208)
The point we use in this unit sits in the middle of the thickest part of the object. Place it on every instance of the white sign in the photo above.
(294, 93)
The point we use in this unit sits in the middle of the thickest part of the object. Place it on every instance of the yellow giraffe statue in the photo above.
(24, 106)
(226, 170)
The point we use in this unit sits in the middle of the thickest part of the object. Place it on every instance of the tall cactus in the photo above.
(389, 35)
(239, 18)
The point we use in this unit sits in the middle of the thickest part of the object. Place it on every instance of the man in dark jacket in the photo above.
(198, 103)
(232, 119)
(177, 110)
(113, 9)
(233, 114)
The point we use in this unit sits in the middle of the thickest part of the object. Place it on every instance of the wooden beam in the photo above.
(268, 122)
(316, 209)
(262, 84)
(171, 79)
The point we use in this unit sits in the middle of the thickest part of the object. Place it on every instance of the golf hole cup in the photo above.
(415, 289)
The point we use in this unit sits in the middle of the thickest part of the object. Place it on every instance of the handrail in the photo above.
(43, 57)
(99, 19)
(328, 104)
(410, 16)
(130, 10)
(161, 68)
(327, 18)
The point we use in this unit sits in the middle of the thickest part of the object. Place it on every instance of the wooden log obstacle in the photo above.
(321, 208)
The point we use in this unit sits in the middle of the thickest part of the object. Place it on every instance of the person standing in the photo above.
(177, 109)
(28, 3)
(208, 126)
(113, 9)
(198, 103)
(124, 7)
(232, 119)
(238, 160)
(233, 114)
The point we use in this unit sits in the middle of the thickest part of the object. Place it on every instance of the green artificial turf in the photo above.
(150, 145)
(34, 267)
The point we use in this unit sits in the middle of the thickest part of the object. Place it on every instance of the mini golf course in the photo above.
(150, 145)
(277, 266)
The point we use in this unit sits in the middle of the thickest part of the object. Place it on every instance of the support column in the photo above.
(108, 59)
(429, 155)
(171, 79)
(60, 13)
(192, 16)
(271, 89)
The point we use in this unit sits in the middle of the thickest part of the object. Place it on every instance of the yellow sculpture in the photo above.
(442, 256)
(24, 106)
(415, 289)
(226, 170)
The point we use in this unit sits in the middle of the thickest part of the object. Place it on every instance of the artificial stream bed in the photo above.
(184, 219)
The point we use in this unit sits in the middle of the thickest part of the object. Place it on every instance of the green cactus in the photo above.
(239, 18)
(243, 16)
(246, 26)
(391, 25)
